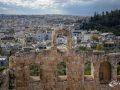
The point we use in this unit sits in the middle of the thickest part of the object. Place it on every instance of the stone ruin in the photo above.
(103, 68)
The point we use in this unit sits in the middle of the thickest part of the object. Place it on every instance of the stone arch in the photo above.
(61, 71)
(22, 73)
(33, 69)
(105, 72)
(60, 31)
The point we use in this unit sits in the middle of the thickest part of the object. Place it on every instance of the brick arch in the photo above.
(55, 33)
(105, 72)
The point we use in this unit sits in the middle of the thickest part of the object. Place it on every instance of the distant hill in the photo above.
(105, 22)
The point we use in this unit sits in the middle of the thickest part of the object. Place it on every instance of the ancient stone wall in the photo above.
(4, 80)
(76, 80)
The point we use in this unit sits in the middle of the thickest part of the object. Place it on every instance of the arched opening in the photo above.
(105, 72)
(88, 71)
(61, 40)
(61, 71)
(34, 71)
(118, 71)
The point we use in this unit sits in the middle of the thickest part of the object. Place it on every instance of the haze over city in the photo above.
(64, 7)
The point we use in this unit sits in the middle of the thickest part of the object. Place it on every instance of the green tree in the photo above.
(34, 69)
(104, 22)
(99, 47)
(61, 68)
(94, 37)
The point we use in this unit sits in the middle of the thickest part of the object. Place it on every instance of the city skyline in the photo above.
(64, 7)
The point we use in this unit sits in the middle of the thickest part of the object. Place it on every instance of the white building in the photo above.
(86, 36)
(42, 36)
(3, 60)
(107, 36)
(77, 35)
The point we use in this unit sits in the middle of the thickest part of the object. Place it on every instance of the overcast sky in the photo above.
(67, 7)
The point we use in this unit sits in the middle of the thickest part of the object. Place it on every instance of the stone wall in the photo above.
(4, 80)
(48, 61)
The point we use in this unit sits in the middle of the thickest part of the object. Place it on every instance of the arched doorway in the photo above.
(61, 71)
(105, 72)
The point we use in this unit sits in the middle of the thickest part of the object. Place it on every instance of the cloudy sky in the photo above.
(67, 7)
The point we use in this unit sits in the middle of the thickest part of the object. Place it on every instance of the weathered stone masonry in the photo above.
(104, 68)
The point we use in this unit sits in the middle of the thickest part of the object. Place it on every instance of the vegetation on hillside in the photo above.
(104, 22)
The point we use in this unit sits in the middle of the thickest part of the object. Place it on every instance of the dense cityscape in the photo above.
(59, 45)
(33, 34)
